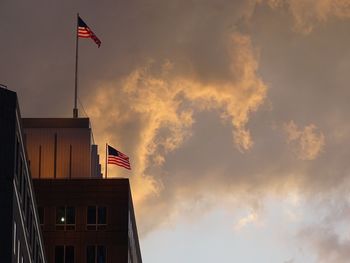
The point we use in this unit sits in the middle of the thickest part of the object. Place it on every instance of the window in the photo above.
(37, 250)
(34, 251)
(20, 177)
(14, 238)
(27, 209)
(101, 254)
(96, 217)
(17, 155)
(91, 215)
(90, 254)
(41, 214)
(18, 167)
(32, 237)
(30, 225)
(64, 254)
(18, 250)
(59, 254)
(96, 254)
(101, 215)
(65, 218)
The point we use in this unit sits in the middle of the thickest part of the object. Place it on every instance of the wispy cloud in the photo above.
(307, 143)
(308, 14)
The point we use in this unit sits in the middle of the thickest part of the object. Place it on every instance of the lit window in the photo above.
(65, 218)
(96, 217)
(64, 254)
(96, 254)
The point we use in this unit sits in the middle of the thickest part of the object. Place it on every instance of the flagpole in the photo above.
(106, 164)
(75, 110)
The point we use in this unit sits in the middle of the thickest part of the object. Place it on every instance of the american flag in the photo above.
(118, 158)
(85, 32)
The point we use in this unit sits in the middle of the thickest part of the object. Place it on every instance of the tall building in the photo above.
(20, 236)
(69, 213)
(84, 218)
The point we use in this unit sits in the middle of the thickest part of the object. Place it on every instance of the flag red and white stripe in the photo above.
(118, 158)
(85, 32)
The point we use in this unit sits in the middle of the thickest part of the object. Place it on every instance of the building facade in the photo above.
(84, 218)
(61, 148)
(67, 213)
(21, 240)
(88, 220)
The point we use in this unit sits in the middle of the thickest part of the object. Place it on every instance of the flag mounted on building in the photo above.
(118, 158)
(85, 32)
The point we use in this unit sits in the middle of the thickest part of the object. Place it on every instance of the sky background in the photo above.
(234, 115)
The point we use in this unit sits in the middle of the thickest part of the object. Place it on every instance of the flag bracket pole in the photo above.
(106, 163)
(75, 109)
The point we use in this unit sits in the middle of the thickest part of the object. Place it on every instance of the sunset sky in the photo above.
(235, 115)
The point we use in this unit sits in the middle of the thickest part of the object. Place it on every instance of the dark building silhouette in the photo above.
(88, 220)
(20, 235)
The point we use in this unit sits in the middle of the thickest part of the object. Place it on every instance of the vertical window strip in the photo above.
(14, 237)
(19, 250)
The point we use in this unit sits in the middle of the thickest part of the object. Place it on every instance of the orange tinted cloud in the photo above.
(162, 106)
(307, 143)
(309, 13)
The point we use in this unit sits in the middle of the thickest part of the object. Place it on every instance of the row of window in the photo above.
(94, 254)
(17, 249)
(26, 207)
(96, 217)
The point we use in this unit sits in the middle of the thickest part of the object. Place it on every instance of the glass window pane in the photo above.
(27, 208)
(102, 215)
(37, 251)
(60, 215)
(70, 215)
(59, 254)
(20, 176)
(41, 214)
(17, 155)
(101, 254)
(91, 215)
(90, 254)
(23, 196)
(69, 254)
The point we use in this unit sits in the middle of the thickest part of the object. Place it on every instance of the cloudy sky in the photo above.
(234, 114)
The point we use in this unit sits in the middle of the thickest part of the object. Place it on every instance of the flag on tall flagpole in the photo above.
(85, 32)
(118, 158)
